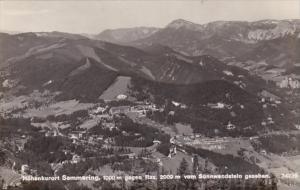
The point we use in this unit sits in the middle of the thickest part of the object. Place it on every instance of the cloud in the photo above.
(24, 12)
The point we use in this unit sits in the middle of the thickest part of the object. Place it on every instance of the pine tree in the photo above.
(1, 182)
(195, 165)
(183, 167)
(273, 182)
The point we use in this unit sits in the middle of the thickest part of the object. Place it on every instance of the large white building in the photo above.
(289, 82)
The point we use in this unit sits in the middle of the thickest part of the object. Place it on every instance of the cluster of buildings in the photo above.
(219, 105)
(203, 142)
(268, 121)
(178, 104)
(297, 126)
(140, 109)
(8, 83)
(289, 82)
(268, 98)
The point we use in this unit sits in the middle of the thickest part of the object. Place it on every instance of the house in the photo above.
(75, 159)
(171, 113)
(175, 103)
(159, 162)
(271, 96)
(263, 152)
(270, 120)
(229, 73)
(140, 111)
(119, 109)
(100, 137)
(230, 126)
(51, 133)
(25, 169)
(277, 102)
(130, 155)
(172, 140)
(289, 82)
(100, 110)
(172, 151)
(121, 97)
(55, 133)
(74, 136)
(216, 106)
(254, 138)
(20, 147)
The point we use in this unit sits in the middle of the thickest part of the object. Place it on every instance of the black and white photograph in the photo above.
(150, 95)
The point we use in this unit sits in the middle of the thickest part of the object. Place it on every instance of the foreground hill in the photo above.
(66, 64)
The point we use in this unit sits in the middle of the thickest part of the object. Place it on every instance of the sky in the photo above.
(95, 16)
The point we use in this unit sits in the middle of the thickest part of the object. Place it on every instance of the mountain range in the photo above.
(258, 45)
(180, 53)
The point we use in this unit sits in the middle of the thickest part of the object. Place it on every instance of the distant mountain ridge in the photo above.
(237, 31)
(125, 35)
(245, 44)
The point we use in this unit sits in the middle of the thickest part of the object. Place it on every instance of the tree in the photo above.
(183, 167)
(273, 182)
(1, 182)
(195, 164)
(164, 148)
(261, 184)
(2, 157)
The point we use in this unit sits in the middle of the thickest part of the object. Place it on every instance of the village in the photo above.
(104, 116)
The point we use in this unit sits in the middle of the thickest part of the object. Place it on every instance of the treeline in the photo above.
(202, 120)
(196, 96)
(2, 157)
(99, 129)
(137, 135)
(71, 117)
(279, 144)
(136, 165)
(82, 167)
(49, 149)
(226, 163)
(18, 125)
